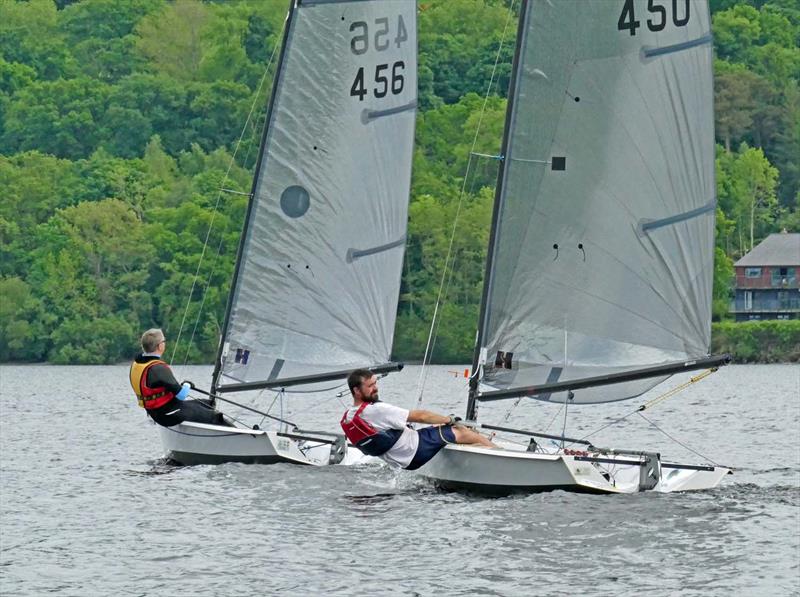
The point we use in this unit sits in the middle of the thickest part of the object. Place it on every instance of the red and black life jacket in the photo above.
(365, 437)
(149, 398)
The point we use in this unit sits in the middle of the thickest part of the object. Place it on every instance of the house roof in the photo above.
(777, 249)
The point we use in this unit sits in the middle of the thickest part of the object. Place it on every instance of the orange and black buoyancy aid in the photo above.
(365, 437)
(149, 398)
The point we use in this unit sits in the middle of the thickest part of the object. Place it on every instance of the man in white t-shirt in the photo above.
(380, 429)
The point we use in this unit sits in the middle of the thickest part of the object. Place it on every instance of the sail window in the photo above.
(503, 359)
(295, 201)
(558, 163)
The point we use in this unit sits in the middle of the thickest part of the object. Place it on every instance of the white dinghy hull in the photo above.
(506, 471)
(190, 443)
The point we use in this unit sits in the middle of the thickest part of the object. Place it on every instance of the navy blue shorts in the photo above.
(431, 440)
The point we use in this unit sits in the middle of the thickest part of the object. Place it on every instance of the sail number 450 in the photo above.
(657, 13)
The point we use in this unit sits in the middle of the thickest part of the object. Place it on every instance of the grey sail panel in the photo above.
(320, 264)
(603, 254)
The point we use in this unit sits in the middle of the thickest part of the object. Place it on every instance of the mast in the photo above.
(251, 201)
(487, 276)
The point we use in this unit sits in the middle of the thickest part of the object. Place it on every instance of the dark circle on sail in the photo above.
(295, 201)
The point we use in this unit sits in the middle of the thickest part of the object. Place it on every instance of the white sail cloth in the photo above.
(603, 253)
(318, 280)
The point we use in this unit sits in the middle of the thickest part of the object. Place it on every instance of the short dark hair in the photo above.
(357, 377)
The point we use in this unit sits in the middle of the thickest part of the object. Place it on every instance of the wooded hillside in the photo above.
(118, 125)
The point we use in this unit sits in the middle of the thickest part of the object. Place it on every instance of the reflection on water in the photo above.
(93, 510)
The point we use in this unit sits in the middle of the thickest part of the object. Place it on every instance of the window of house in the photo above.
(784, 276)
(748, 300)
(752, 272)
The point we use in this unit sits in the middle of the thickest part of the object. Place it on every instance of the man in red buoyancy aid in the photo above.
(380, 429)
(162, 397)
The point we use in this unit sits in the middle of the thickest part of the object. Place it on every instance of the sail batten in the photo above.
(318, 277)
(602, 254)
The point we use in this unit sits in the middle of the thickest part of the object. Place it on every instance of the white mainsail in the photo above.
(318, 277)
(602, 260)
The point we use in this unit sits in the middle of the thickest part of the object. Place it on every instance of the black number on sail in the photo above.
(402, 35)
(359, 43)
(627, 20)
(381, 80)
(680, 22)
(357, 89)
(397, 77)
(656, 9)
(382, 33)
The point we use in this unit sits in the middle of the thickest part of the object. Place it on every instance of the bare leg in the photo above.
(465, 435)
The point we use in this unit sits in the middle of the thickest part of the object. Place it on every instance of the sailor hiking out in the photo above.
(381, 429)
(159, 393)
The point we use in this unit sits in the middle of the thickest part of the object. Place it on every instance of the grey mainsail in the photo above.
(602, 254)
(318, 276)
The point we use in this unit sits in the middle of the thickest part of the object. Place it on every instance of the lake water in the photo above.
(88, 508)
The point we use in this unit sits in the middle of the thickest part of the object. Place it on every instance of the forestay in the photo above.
(603, 249)
(318, 277)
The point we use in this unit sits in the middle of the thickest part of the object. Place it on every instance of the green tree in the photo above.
(734, 102)
(220, 110)
(20, 338)
(163, 101)
(746, 192)
(171, 39)
(34, 187)
(29, 35)
(456, 36)
(55, 117)
(736, 30)
(723, 281)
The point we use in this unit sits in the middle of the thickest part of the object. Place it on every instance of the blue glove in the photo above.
(184, 393)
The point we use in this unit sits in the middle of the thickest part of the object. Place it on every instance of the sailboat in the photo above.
(317, 277)
(599, 271)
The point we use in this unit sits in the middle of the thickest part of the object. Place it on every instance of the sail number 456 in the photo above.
(657, 13)
(387, 77)
(382, 84)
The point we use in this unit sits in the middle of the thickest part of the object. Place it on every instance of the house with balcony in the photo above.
(767, 280)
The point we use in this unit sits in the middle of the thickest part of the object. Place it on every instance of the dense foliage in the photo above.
(119, 121)
(757, 341)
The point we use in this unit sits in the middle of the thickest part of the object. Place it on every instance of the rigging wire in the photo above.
(676, 440)
(555, 416)
(655, 401)
(428, 347)
(213, 217)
